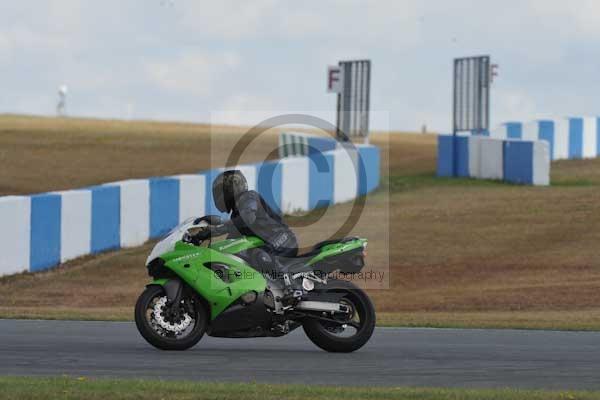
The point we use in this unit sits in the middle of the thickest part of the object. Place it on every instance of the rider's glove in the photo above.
(209, 232)
(203, 234)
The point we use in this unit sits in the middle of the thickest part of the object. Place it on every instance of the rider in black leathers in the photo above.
(250, 216)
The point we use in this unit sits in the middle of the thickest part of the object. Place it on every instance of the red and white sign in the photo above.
(334, 79)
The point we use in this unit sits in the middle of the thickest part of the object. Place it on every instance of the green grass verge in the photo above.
(526, 320)
(564, 321)
(83, 388)
(404, 183)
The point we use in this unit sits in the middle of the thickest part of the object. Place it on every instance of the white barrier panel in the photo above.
(294, 184)
(191, 196)
(249, 172)
(590, 137)
(15, 214)
(531, 131)
(491, 159)
(474, 154)
(75, 223)
(561, 139)
(135, 212)
(499, 132)
(345, 175)
(541, 163)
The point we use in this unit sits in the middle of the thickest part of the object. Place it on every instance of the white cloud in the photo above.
(244, 108)
(572, 19)
(5, 47)
(23, 38)
(185, 59)
(514, 105)
(334, 20)
(193, 73)
(226, 18)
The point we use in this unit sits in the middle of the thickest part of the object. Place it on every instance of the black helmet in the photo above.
(226, 187)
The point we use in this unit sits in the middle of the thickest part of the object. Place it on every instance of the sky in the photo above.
(199, 61)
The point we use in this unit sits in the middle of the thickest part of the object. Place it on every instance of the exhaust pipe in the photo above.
(321, 306)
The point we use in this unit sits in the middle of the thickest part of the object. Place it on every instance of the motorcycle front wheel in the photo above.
(169, 328)
(344, 334)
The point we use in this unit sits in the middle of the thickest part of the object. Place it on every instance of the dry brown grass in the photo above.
(458, 253)
(44, 154)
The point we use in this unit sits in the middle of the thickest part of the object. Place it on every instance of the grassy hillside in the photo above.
(40, 154)
(458, 252)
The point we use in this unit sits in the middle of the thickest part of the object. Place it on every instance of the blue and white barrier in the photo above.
(304, 144)
(569, 138)
(516, 161)
(527, 162)
(41, 231)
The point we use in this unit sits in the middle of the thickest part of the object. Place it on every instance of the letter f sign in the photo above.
(334, 79)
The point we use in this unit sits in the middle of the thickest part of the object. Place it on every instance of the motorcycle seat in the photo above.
(316, 249)
(301, 259)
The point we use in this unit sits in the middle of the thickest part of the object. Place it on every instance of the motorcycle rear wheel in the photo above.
(169, 338)
(326, 334)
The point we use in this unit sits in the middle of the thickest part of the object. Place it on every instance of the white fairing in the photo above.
(167, 244)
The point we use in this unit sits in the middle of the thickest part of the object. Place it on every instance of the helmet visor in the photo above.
(219, 195)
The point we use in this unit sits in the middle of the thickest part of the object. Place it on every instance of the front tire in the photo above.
(325, 334)
(164, 332)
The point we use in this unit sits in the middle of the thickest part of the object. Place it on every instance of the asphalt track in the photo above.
(393, 357)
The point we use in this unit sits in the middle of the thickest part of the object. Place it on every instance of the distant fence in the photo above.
(517, 161)
(41, 231)
(303, 144)
(569, 138)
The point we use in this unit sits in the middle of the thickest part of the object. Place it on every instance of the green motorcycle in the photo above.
(211, 288)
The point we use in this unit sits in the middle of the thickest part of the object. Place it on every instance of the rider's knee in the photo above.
(263, 261)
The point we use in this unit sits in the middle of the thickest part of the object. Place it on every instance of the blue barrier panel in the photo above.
(445, 156)
(320, 180)
(164, 205)
(44, 248)
(209, 202)
(546, 132)
(269, 183)
(518, 162)
(462, 156)
(368, 169)
(106, 218)
(514, 130)
(320, 145)
(575, 137)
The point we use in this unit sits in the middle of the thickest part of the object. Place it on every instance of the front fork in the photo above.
(173, 289)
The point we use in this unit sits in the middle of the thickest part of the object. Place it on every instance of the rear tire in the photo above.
(149, 329)
(319, 332)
